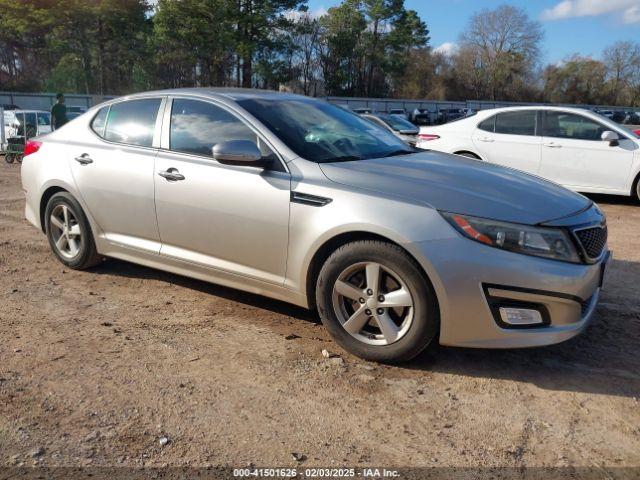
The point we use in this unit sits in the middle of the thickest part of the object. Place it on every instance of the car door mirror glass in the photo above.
(238, 152)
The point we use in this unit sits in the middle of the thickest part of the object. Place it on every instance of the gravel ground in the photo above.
(128, 366)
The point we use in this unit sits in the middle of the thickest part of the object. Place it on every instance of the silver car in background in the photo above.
(302, 201)
(400, 127)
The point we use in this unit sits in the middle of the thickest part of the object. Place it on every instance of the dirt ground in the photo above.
(97, 367)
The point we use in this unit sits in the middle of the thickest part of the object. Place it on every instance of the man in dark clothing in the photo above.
(58, 113)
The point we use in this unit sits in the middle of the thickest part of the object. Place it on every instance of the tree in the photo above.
(255, 21)
(576, 80)
(499, 50)
(622, 61)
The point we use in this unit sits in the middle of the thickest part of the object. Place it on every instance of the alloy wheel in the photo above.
(373, 303)
(65, 231)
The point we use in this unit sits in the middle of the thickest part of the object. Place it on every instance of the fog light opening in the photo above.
(520, 316)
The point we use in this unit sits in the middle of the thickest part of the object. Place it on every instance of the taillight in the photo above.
(428, 137)
(32, 146)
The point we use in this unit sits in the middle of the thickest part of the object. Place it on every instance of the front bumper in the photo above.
(469, 276)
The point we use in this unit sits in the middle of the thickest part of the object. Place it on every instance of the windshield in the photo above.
(322, 132)
(398, 123)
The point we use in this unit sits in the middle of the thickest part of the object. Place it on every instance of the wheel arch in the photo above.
(44, 199)
(468, 152)
(635, 193)
(332, 244)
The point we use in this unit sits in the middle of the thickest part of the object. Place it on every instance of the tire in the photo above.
(636, 190)
(77, 250)
(415, 323)
(8, 158)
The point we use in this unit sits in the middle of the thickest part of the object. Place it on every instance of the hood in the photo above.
(461, 185)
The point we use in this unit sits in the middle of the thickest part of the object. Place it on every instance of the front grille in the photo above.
(592, 240)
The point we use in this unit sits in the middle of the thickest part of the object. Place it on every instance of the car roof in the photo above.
(227, 93)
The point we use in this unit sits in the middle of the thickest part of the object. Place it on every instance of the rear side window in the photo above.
(133, 122)
(488, 125)
(196, 127)
(517, 123)
(99, 121)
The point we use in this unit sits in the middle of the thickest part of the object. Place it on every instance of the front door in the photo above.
(231, 218)
(574, 155)
(114, 172)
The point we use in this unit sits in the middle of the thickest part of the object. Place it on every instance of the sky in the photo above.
(585, 27)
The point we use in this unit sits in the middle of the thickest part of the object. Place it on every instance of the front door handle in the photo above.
(552, 145)
(171, 174)
(84, 159)
(486, 139)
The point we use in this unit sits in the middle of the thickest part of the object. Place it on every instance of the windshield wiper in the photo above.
(395, 153)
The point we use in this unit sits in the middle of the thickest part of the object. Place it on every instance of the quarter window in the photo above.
(99, 121)
(517, 123)
(488, 125)
(196, 127)
(133, 122)
(570, 125)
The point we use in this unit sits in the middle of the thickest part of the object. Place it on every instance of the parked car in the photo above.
(574, 147)
(446, 115)
(399, 112)
(421, 116)
(606, 113)
(401, 128)
(637, 132)
(10, 106)
(619, 117)
(361, 110)
(296, 199)
(633, 118)
(31, 122)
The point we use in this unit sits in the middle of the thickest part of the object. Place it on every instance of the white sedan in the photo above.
(576, 148)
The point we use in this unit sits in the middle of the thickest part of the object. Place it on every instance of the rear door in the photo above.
(113, 168)
(510, 139)
(574, 155)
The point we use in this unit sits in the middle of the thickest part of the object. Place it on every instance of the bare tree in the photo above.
(622, 60)
(502, 46)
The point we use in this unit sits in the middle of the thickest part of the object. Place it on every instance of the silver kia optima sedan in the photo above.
(302, 201)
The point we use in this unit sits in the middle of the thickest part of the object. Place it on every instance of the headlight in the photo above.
(544, 242)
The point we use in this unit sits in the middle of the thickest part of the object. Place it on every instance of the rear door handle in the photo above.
(171, 174)
(84, 159)
(552, 145)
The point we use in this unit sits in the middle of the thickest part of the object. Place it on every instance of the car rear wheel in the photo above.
(636, 189)
(376, 303)
(69, 232)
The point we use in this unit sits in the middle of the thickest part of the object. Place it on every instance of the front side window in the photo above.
(196, 127)
(517, 123)
(321, 132)
(133, 122)
(570, 125)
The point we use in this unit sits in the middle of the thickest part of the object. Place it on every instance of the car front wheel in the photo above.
(376, 303)
(69, 232)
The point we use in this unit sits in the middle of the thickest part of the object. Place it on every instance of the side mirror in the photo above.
(238, 152)
(611, 137)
